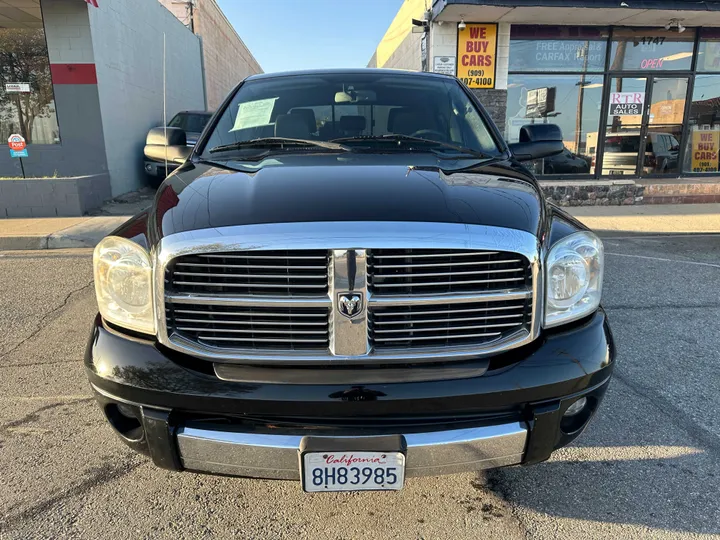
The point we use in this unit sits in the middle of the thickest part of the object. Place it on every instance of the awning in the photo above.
(580, 12)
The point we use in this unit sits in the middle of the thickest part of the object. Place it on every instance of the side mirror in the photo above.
(538, 141)
(167, 142)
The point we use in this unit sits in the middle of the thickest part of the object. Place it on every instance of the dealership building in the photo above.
(84, 80)
(634, 85)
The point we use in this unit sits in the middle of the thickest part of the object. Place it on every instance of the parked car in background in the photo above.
(387, 294)
(621, 153)
(191, 124)
(566, 162)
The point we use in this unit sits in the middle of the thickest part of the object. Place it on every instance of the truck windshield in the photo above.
(358, 110)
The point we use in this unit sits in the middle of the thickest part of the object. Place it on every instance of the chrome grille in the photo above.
(441, 271)
(266, 273)
(440, 325)
(429, 292)
(250, 327)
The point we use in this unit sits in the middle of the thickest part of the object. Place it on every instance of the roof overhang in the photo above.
(580, 12)
(20, 14)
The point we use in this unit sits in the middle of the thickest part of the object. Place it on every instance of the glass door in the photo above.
(644, 125)
(663, 135)
(625, 126)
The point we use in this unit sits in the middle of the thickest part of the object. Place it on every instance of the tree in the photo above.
(24, 58)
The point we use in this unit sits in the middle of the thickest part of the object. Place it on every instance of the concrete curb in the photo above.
(85, 234)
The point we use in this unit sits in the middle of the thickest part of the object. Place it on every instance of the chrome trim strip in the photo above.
(254, 301)
(275, 456)
(447, 298)
(347, 236)
(348, 278)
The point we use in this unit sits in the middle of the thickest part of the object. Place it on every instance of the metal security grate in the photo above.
(401, 272)
(440, 325)
(250, 327)
(256, 273)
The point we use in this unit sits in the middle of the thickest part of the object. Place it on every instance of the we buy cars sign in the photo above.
(16, 142)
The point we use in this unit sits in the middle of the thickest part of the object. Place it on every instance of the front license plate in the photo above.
(353, 471)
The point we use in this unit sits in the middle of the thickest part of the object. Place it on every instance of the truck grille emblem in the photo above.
(350, 304)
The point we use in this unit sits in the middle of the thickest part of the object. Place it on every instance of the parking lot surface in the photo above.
(648, 466)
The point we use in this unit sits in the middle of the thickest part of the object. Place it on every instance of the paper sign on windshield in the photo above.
(254, 113)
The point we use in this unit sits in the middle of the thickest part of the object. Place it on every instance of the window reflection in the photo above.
(570, 101)
(27, 103)
(703, 142)
(651, 49)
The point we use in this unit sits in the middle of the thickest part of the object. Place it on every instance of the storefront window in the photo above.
(709, 50)
(27, 103)
(703, 142)
(650, 49)
(570, 101)
(557, 48)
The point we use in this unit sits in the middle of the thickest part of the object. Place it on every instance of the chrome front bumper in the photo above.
(277, 456)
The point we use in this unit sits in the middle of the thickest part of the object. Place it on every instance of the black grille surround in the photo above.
(405, 272)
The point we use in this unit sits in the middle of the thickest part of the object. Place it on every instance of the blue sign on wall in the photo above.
(19, 153)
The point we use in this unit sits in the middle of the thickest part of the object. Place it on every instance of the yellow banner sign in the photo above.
(477, 55)
(705, 147)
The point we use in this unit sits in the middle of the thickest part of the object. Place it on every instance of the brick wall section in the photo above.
(687, 193)
(600, 193)
(407, 55)
(128, 46)
(52, 197)
(227, 60)
(495, 102)
(67, 32)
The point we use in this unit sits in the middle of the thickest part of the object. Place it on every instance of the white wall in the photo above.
(67, 32)
(127, 40)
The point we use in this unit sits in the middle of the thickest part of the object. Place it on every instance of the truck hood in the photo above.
(346, 187)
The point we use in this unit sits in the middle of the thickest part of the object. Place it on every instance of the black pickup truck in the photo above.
(351, 280)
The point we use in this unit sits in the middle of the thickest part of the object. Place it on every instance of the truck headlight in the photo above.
(573, 278)
(123, 284)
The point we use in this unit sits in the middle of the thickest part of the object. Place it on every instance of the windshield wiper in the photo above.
(396, 137)
(278, 142)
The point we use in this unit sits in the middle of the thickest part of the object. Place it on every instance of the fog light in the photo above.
(576, 407)
(148, 168)
(127, 411)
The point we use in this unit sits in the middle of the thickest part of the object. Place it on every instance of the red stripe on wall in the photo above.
(73, 73)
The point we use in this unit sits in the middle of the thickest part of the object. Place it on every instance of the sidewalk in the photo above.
(86, 232)
(56, 233)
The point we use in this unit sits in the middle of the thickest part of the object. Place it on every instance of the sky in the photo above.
(286, 35)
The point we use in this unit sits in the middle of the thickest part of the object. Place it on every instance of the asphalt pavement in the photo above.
(648, 466)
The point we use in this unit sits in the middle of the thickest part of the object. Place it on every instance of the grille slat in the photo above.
(250, 285)
(433, 265)
(259, 340)
(381, 255)
(427, 338)
(256, 273)
(441, 283)
(251, 276)
(254, 323)
(434, 271)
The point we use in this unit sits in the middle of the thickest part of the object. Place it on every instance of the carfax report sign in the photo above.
(477, 55)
